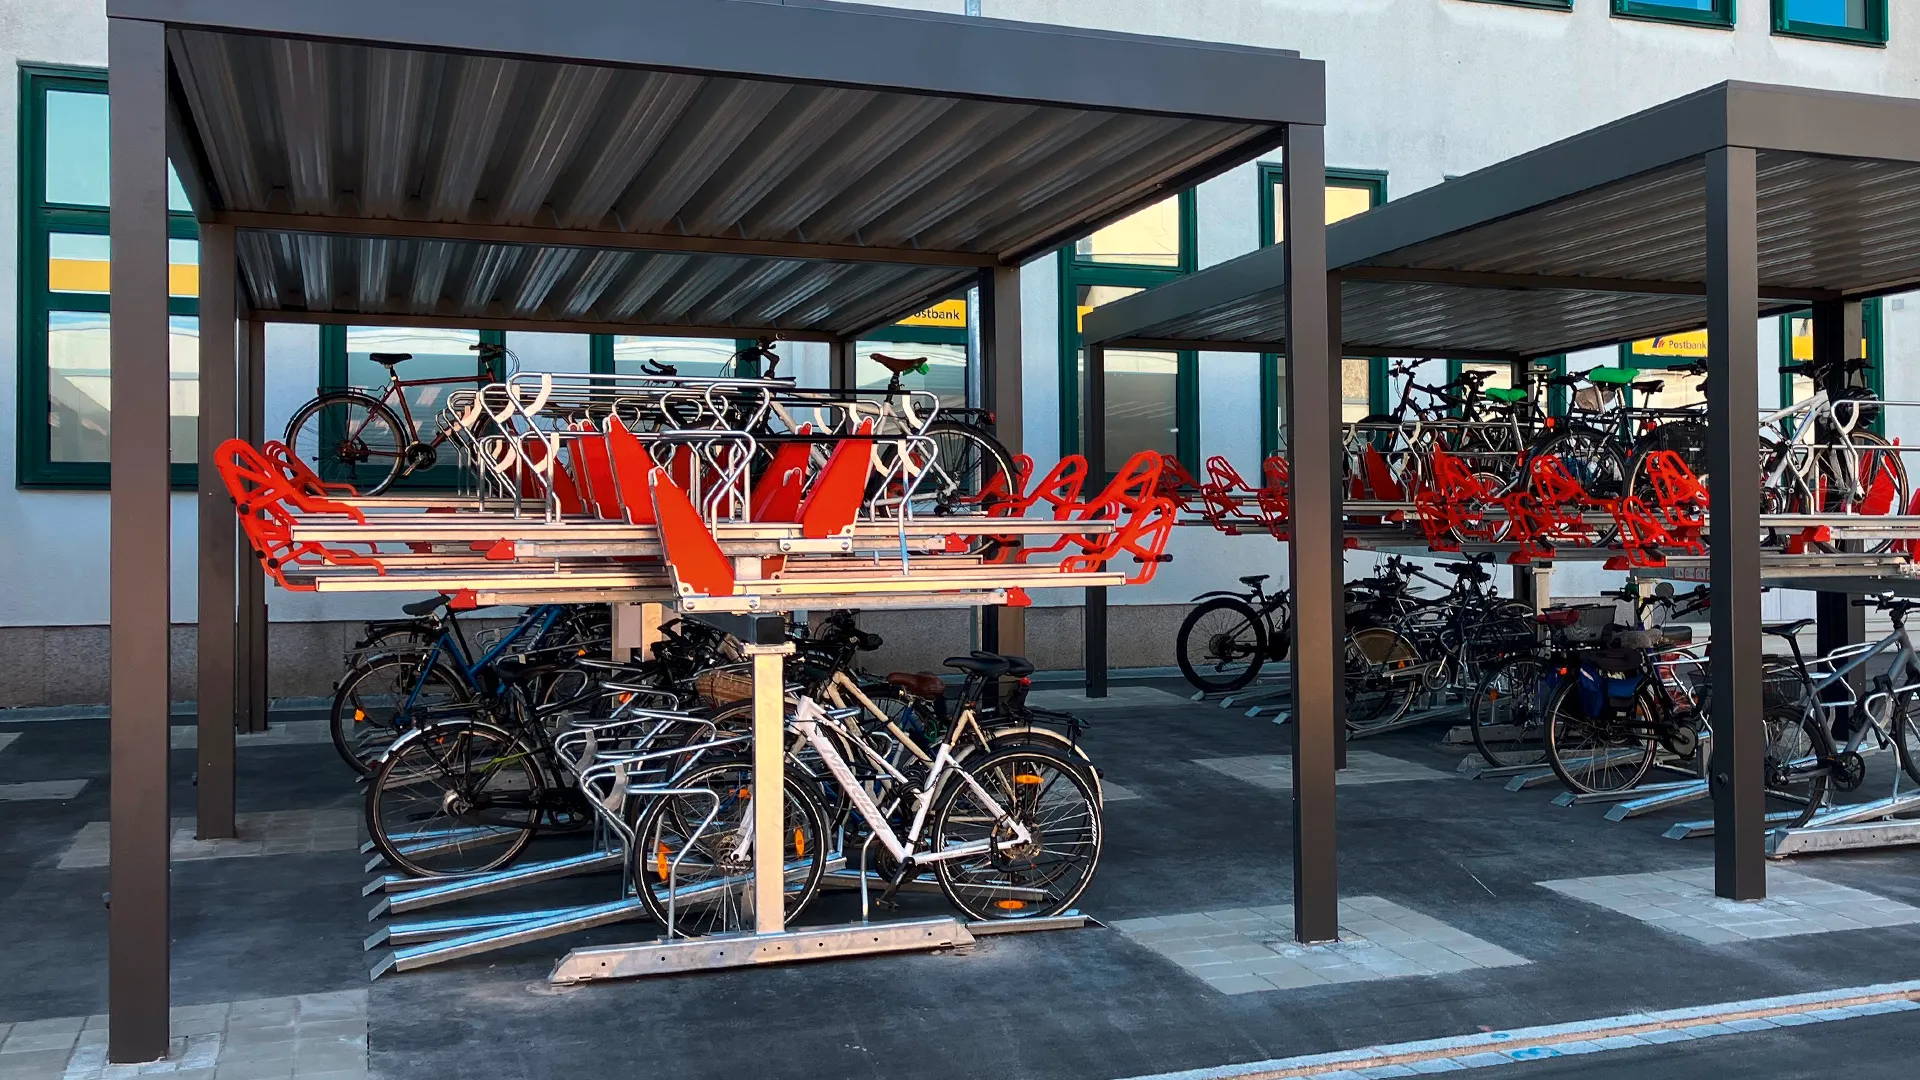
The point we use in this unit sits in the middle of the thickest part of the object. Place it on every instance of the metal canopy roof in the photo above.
(1597, 239)
(680, 164)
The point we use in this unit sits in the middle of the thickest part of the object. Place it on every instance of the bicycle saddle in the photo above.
(1017, 666)
(1254, 579)
(899, 365)
(919, 683)
(1511, 397)
(1613, 376)
(425, 607)
(973, 665)
(389, 358)
(655, 367)
(1651, 386)
(1786, 629)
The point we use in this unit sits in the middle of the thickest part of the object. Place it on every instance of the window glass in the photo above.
(82, 263)
(1142, 388)
(1682, 5)
(76, 152)
(1343, 201)
(437, 355)
(946, 369)
(1356, 393)
(80, 386)
(1851, 14)
(699, 357)
(568, 354)
(1149, 237)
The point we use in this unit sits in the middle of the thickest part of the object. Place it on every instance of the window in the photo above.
(1153, 398)
(1363, 380)
(702, 357)
(1863, 22)
(939, 335)
(64, 420)
(1678, 390)
(1551, 5)
(1700, 12)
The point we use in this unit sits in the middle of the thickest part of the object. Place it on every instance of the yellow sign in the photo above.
(1803, 340)
(95, 276)
(951, 314)
(1691, 344)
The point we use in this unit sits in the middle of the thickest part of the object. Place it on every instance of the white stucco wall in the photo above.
(1419, 88)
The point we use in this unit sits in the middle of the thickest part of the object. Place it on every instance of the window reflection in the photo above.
(1149, 237)
(437, 354)
(80, 386)
(946, 374)
(701, 357)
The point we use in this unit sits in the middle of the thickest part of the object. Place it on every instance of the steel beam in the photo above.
(434, 320)
(1737, 768)
(1486, 279)
(1093, 443)
(218, 567)
(137, 931)
(1003, 629)
(250, 644)
(1313, 430)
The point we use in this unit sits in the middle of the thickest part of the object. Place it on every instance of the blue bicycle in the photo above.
(437, 674)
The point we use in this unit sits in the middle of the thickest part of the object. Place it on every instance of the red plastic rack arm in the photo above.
(630, 467)
(833, 503)
(699, 566)
(261, 491)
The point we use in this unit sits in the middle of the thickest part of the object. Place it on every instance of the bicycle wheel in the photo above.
(386, 696)
(455, 798)
(1879, 486)
(1592, 459)
(692, 861)
(1906, 735)
(1506, 713)
(1797, 742)
(1687, 438)
(965, 459)
(1043, 875)
(350, 438)
(1222, 645)
(1378, 694)
(1610, 752)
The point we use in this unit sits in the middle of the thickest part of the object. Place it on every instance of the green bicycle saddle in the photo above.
(1511, 397)
(1614, 376)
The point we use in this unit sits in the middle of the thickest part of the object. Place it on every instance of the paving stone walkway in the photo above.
(7, 738)
(309, 1037)
(1118, 697)
(281, 832)
(1247, 950)
(42, 790)
(1683, 902)
(1275, 771)
(282, 733)
(1112, 792)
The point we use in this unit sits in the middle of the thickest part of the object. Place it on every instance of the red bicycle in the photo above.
(353, 437)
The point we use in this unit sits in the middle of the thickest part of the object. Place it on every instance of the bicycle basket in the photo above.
(1592, 624)
(724, 686)
(1637, 640)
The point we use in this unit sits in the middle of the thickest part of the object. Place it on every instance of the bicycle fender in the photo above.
(1223, 592)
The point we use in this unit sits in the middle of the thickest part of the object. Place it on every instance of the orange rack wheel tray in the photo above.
(263, 488)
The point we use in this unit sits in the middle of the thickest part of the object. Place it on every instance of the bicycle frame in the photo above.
(807, 722)
(1905, 663)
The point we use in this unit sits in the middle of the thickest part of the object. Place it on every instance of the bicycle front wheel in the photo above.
(1056, 808)
(1798, 746)
(1379, 688)
(1906, 735)
(350, 438)
(384, 697)
(965, 459)
(1222, 645)
(456, 798)
(1506, 714)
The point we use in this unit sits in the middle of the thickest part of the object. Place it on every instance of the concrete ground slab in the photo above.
(1682, 902)
(280, 832)
(1275, 771)
(42, 790)
(296, 1037)
(1118, 697)
(282, 733)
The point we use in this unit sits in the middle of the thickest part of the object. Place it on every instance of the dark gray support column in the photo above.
(1094, 441)
(217, 571)
(1002, 629)
(1313, 427)
(250, 645)
(1733, 304)
(137, 934)
(840, 358)
(1836, 337)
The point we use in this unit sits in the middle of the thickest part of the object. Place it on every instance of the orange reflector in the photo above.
(743, 793)
(1009, 905)
(359, 716)
(581, 652)
(1026, 778)
(799, 842)
(660, 860)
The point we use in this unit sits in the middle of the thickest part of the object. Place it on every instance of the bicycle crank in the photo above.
(1849, 770)
(421, 456)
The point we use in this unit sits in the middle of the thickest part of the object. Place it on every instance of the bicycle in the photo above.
(355, 437)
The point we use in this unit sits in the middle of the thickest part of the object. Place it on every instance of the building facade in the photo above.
(1418, 90)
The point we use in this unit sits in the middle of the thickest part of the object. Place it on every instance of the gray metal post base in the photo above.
(723, 951)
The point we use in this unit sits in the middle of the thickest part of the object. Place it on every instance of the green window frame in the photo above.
(1272, 176)
(1721, 15)
(1075, 273)
(1872, 34)
(39, 220)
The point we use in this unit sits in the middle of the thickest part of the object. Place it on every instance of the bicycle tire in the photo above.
(1687, 438)
(670, 827)
(1562, 716)
(1795, 733)
(966, 459)
(1001, 884)
(1221, 644)
(1509, 685)
(312, 450)
(472, 845)
(1592, 459)
(1906, 736)
(364, 697)
(1878, 456)
(1375, 704)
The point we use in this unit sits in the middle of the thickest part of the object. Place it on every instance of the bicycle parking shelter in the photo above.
(730, 168)
(1718, 208)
